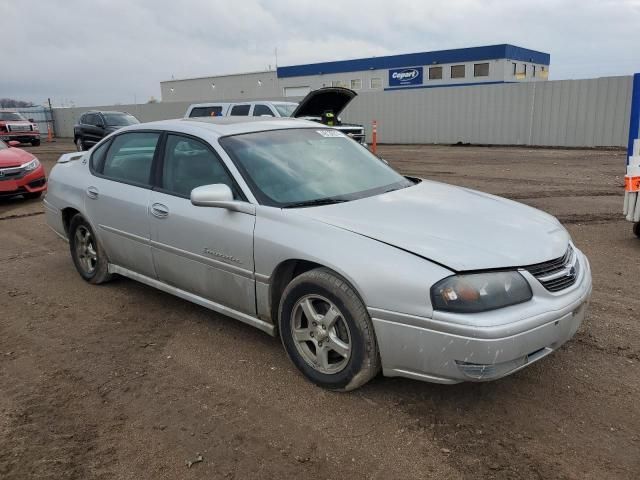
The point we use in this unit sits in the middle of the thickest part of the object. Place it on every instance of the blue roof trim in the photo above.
(413, 87)
(634, 123)
(491, 52)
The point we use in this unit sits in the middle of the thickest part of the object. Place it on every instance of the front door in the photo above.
(118, 197)
(203, 250)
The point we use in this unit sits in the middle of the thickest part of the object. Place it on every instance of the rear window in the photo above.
(130, 157)
(214, 111)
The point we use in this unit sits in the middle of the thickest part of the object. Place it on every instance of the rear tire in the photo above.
(35, 143)
(88, 255)
(327, 332)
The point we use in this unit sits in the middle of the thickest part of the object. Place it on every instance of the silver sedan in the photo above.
(299, 231)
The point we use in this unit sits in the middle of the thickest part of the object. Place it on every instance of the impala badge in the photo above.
(213, 253)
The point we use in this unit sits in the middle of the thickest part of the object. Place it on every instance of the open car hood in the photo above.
(323, 99)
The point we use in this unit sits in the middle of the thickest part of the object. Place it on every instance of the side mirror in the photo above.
(13, 143)
(219, 195)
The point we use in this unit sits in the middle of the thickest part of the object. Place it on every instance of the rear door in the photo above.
(118, 197)
(202, 250)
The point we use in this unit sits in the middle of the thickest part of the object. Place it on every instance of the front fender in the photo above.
(384, 276)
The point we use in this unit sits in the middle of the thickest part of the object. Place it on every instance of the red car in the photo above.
(20, 172)
(13, 126)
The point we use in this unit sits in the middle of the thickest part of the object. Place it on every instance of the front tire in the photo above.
(88, 255)
(327, 332)
(35, 143)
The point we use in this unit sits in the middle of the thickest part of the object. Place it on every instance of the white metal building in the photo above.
(445, 68)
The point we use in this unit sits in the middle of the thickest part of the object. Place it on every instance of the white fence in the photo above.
(564, 113)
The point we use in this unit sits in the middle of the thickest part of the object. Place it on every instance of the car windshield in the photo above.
(285, 109)
(119, 119)
(12, 116)
(307, 167)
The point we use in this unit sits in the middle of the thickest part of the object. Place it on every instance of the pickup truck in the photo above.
(322, 106)
(14, 127)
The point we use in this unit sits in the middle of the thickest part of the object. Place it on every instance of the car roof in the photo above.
(106, 111)
(247, 102)
(222, 126)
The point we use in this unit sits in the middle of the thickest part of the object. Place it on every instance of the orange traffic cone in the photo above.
(49, 133)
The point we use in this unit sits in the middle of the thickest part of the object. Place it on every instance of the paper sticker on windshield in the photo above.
(330, 133)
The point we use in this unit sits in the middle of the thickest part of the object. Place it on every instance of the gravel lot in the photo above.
(123, 381)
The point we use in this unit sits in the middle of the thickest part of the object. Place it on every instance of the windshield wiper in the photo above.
(315, 203)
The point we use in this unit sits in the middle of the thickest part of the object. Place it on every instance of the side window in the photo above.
(130, 157)
(240, 110)
(260, 109)
(97, 157)
(93, 119)
(214, 111)
(189, 163)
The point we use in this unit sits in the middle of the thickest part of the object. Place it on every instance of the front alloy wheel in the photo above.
(326, 331)
(321, 334)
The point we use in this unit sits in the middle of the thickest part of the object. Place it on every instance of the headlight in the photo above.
(32, 165)
(480, 292)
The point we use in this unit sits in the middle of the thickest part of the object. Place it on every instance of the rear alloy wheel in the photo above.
(87, 254)
(327, 332)
(80, 144)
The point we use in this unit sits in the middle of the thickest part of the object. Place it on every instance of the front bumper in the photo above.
(487, 347)
(22, 137)
(31, 182)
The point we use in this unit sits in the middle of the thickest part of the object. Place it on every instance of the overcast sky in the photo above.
(98, 52)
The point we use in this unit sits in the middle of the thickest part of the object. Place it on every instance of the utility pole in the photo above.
(53, 122)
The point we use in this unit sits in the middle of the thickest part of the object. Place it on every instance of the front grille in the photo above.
(13, 173)
(354, 132)
(556, 275)
(18, 127)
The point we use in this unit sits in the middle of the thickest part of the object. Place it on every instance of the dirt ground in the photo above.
(124, 382)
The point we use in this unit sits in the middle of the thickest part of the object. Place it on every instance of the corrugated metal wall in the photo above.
(566, 113)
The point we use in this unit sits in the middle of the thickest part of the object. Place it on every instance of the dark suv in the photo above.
(93, 126)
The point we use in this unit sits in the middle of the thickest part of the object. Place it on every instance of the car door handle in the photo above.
(159, 210)
(92, 192)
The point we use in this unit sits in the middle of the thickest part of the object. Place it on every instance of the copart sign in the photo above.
(405, 76)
